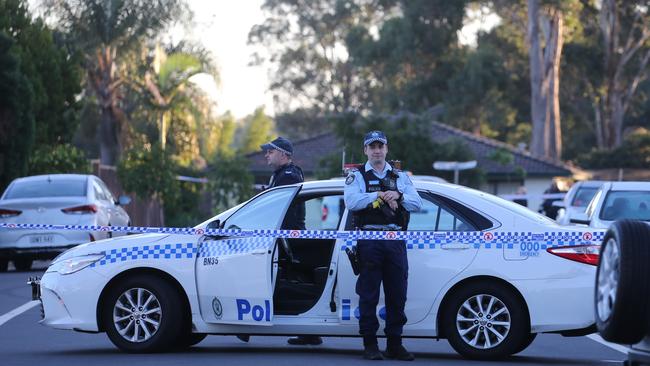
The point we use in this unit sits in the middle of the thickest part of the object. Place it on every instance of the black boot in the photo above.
(371, 349)
(305, 340)
(396, 351)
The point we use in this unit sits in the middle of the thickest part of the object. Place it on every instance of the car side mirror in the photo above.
(216, 224)
(580, 219)
(123, 200)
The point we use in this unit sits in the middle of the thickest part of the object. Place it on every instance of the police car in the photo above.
(488, 276)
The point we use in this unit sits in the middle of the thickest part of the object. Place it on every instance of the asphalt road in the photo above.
(25, 342)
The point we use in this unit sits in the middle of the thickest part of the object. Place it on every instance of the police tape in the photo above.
(556, 237)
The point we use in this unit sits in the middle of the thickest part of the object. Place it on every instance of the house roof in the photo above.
(308, 153)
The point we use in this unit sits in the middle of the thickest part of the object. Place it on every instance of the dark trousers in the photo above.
(382, 260)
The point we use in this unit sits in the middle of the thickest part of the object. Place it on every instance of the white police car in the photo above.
(492, 276)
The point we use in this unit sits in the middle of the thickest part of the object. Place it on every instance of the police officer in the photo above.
(380, 198)
(278, 155)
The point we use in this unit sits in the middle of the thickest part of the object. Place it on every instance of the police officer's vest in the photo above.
(377, 216)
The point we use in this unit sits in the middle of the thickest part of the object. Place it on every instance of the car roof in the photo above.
(591, 183)
(627, 186)
(35, 178)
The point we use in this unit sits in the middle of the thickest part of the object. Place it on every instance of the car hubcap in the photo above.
(608, 274)
(137, 315)
(483, 321)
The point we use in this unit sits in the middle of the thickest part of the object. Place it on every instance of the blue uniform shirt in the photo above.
(356, 198)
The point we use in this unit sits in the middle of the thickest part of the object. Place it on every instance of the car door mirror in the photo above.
(580, 219)
(216, 224)
(123, 201)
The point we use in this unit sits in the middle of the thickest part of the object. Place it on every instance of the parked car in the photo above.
(576, 200)
(475, 283)
(622, 298)
(63, 199)
(616, 201)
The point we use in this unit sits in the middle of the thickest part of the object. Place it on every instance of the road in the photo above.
(25, 342)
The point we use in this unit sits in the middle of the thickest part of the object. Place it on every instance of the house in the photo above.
(501, 179)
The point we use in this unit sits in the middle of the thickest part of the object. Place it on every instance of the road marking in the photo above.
(614, 346)
(17, 311)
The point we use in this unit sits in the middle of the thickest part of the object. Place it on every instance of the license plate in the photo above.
(38, 239)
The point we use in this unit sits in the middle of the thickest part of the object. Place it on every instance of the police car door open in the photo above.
(235, 276)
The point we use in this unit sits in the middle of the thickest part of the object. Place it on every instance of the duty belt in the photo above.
(389, 227)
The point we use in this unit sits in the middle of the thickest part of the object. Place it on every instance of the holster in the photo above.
(353, 256)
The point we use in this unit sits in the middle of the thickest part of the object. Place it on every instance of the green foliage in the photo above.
(502, 156)
(258, 131)
(230, 181)
(16, 114)
(634, 154)
(58, 159)
(188, 208)
(149, 171)
(301, 123)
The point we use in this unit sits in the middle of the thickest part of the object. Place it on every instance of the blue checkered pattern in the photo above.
(153, 251)
(234, 246)
(415, 239)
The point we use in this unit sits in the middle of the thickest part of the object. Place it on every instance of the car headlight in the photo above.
(74, 264)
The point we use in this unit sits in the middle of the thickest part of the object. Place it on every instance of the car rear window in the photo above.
(626, 205)
(47, 188)
(584, 196)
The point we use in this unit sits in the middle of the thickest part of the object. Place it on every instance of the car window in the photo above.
(47, 188)
(107, 192)
(99, 192)
(324, 213)
(584, 196)
(626, 205)
(433, 217)
(265, 211)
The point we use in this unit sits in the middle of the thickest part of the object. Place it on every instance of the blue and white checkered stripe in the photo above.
(415, 237)
(233, 246)
(151, 251)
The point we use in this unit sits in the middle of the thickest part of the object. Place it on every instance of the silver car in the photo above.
(61, 199)
(576, 200)
(616, 201)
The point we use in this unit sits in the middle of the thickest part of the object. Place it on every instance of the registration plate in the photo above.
(40, 239)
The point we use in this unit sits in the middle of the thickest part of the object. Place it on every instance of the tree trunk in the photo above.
(539, 117)
(553, 48)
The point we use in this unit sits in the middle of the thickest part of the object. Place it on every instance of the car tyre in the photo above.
(23, 264)
(4, 265)
(190, 340)
(622, 293)
(527, 341)
(500, 312)
(159, 301)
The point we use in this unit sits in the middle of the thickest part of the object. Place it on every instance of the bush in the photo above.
(58, 159)
(149, 172)
(634, 153)
(230, 181)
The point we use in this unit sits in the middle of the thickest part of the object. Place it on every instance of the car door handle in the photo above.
(259, 252)
(456, 246)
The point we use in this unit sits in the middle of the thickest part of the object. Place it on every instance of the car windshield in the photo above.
(626, 205)
(584, 196)
(47, 188)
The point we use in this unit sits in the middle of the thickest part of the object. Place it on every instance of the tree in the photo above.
(105, 31)
(625, 27)
(16, 114)
(258, 131)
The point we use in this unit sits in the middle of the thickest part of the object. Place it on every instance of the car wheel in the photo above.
(23, 264)
(143, 314)
(623, 283)
(191, 340)
(485, 321)
(527, 341)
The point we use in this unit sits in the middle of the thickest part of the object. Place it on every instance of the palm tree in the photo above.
(106, 31)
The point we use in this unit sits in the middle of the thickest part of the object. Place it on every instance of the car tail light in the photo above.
(587, 254)
(4, 213)
(80, 210)
(324, 213)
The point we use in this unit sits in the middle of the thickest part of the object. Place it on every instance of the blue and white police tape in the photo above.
(553, 237)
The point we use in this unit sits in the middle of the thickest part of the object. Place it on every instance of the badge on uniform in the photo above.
(349, 179)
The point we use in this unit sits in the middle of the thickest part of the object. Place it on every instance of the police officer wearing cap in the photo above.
(380, 198)
(278, 155)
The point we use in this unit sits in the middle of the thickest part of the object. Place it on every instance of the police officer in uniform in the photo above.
(278, 155)
(380, 198)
